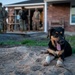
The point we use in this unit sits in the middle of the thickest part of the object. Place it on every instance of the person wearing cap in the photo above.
(36, 19)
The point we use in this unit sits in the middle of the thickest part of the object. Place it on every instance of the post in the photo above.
(45, 17)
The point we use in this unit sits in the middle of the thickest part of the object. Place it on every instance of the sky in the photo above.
(4, 2)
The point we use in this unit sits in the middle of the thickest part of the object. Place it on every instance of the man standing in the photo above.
(23, 18)
(3, 16)
(36, 20)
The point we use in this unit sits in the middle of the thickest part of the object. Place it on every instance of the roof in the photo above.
(26, 3)
(29, 2)
(38, 2)
(59, 0)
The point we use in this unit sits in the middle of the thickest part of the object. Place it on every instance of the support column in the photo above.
(29, 19)
(45, 17)
(15, 25)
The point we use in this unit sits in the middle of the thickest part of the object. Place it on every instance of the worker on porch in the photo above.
(36, 19)
(3, 16)
(41, 20)
(23, 19)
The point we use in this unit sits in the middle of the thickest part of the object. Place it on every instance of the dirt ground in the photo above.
(28, 60)
(24, 60)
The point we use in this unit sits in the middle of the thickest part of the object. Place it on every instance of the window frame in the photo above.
(72, 7)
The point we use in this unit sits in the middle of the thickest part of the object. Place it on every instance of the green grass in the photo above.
(32, 42)
(28, 42)
(73, 50)
(10, 42)
(71, 40)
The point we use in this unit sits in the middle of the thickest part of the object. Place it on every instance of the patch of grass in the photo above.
(10, 42)
(30, 42)
(73, 50)
(71, 40)
(42, 42)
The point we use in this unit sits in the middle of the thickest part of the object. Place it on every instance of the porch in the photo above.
(30, 5)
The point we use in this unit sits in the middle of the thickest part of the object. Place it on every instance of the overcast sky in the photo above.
(10, 1)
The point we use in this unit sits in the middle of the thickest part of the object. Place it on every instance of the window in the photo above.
(72, 15)
(73, 18)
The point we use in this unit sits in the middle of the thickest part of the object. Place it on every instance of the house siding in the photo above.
(58, 11)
